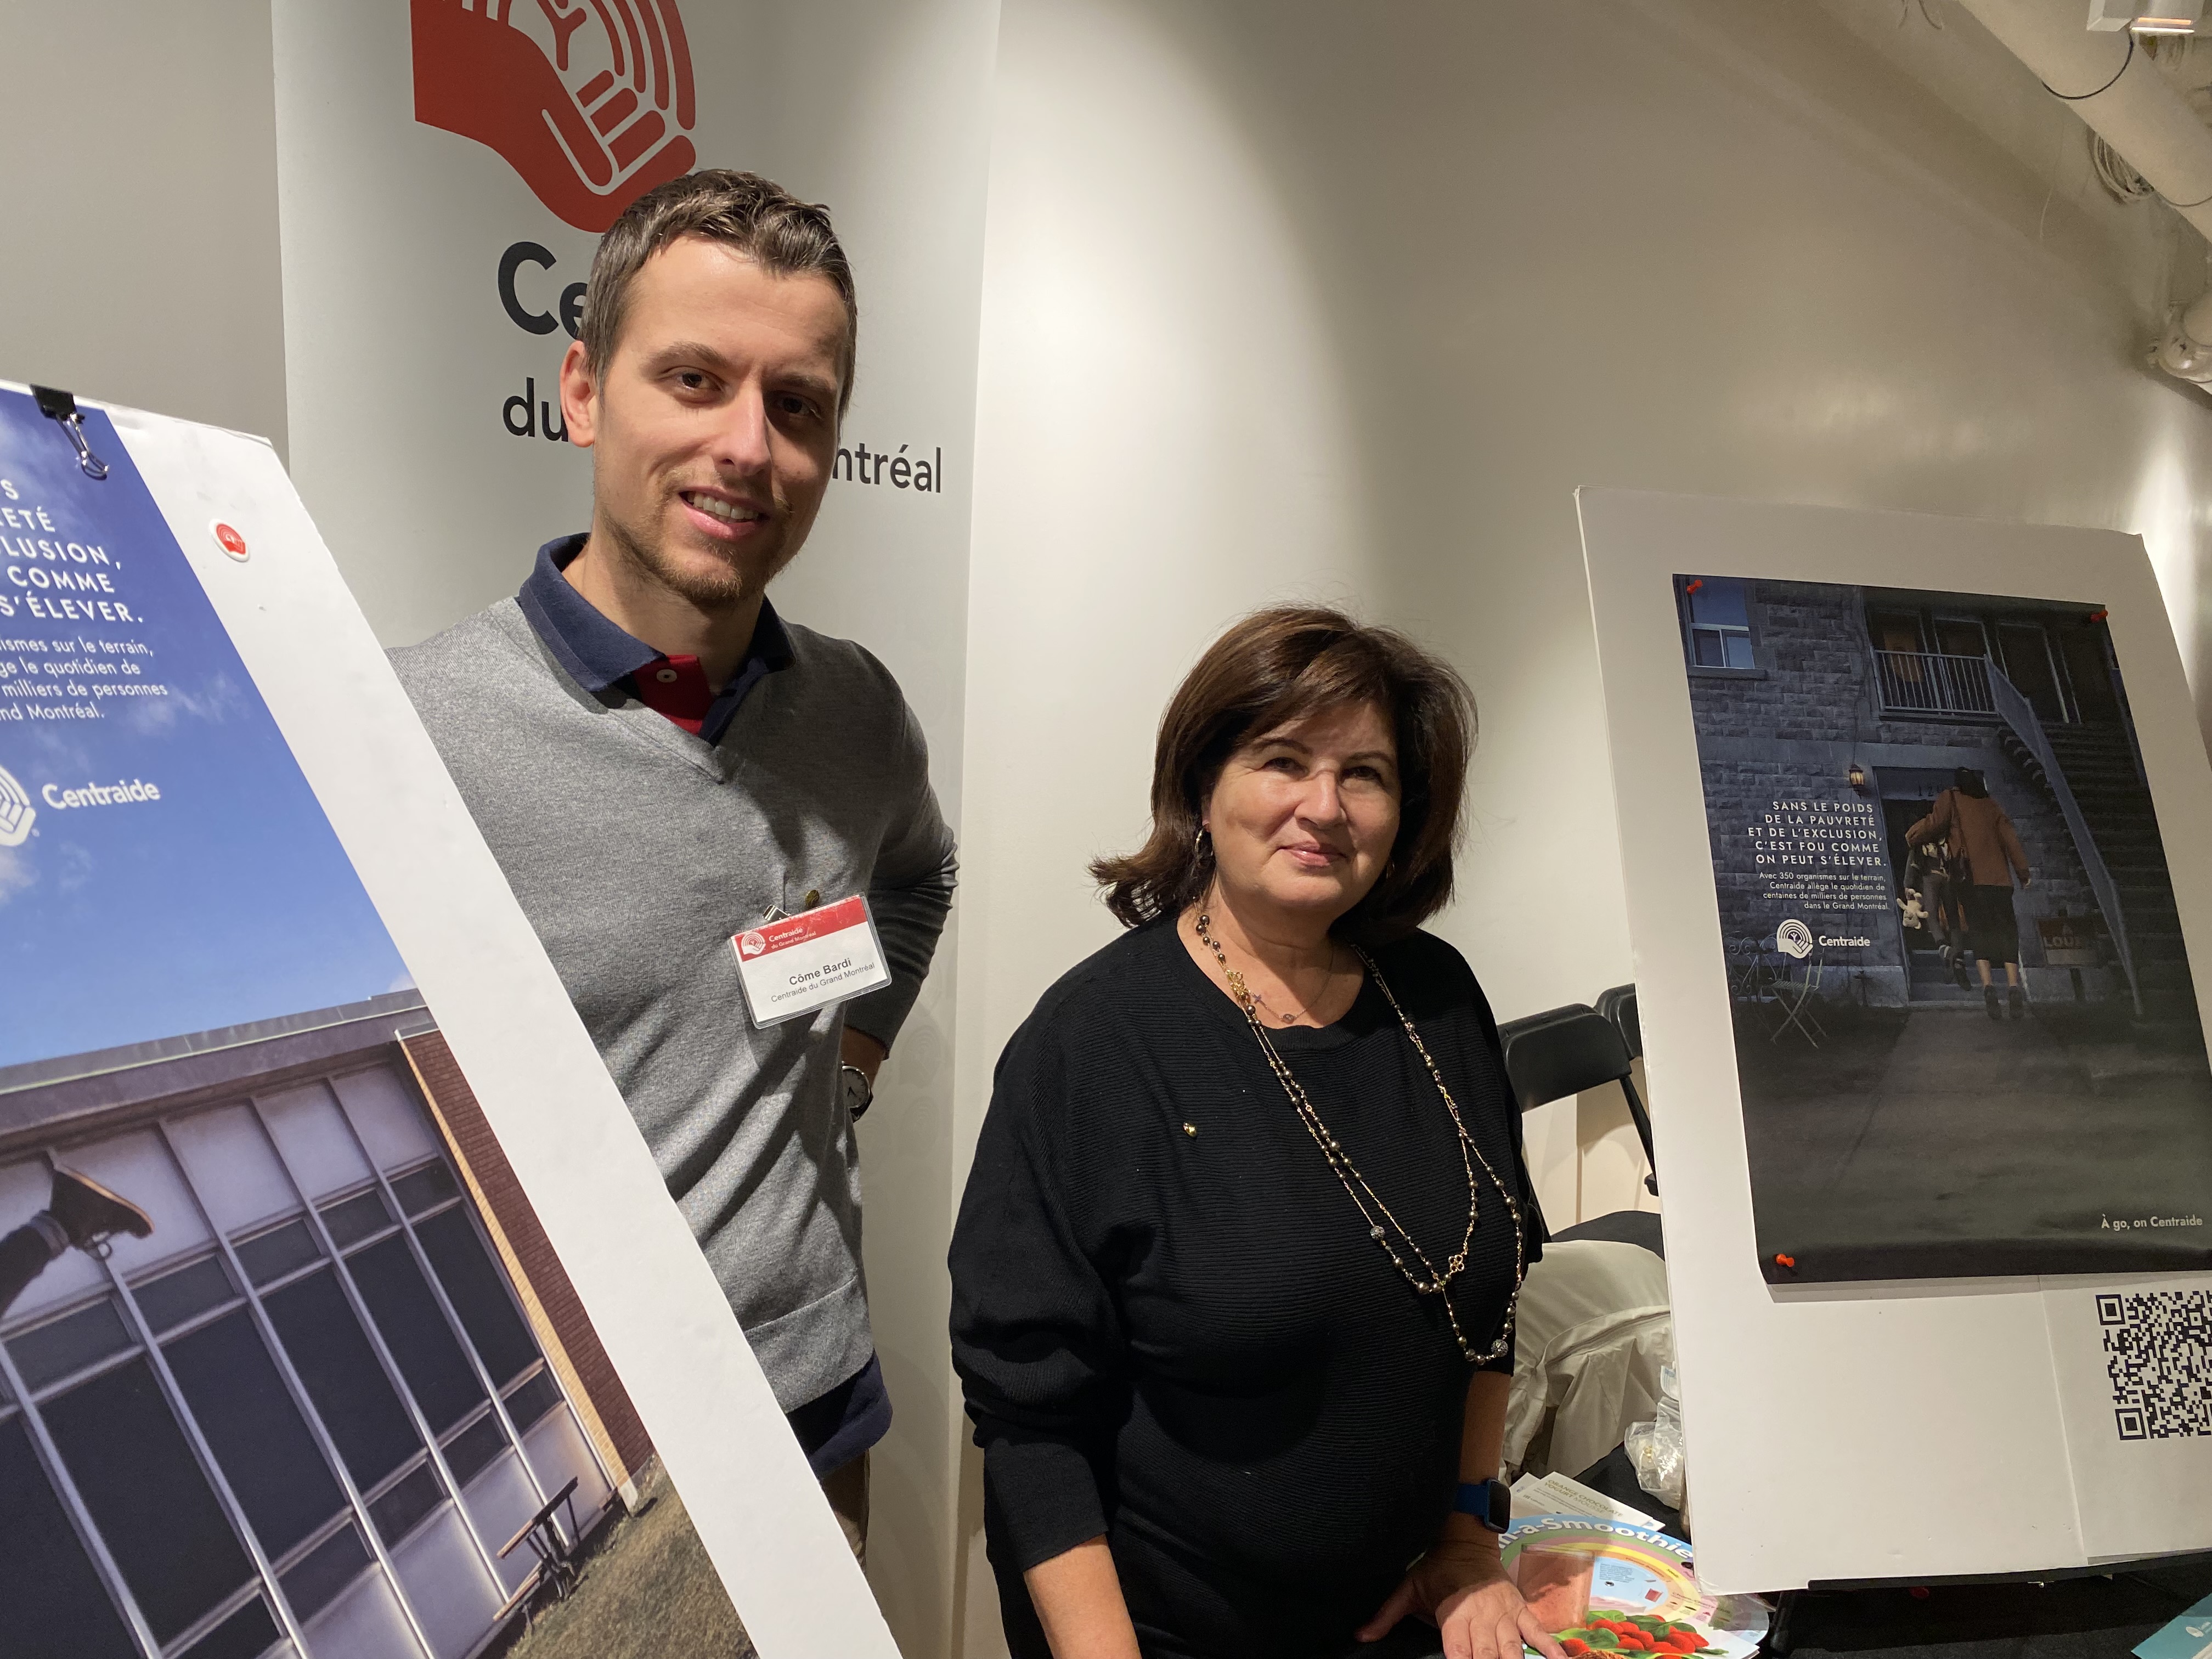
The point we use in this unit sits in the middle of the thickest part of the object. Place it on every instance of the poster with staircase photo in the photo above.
(1967, 1039)
(1859, 757)
(301, 1351)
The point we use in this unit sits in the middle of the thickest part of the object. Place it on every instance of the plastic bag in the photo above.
(1655, 1448)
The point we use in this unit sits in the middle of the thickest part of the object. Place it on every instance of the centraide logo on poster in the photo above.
(1793, 938)
(17, 815)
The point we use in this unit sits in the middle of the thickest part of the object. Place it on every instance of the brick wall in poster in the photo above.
(564, 1329)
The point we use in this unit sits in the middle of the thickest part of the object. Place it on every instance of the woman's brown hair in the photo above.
(1275, 667)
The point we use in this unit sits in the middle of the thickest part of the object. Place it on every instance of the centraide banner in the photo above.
(445, 168)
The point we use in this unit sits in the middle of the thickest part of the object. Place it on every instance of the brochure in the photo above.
(2189, 1637)
(1608, 1587)
(1556, 1494)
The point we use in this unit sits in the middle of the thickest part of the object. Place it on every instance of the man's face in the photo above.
(713, 424)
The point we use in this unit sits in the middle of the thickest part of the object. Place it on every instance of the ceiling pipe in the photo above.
(2110, 82)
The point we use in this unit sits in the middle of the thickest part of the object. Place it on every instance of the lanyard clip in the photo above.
(777, 913)
(60, 406)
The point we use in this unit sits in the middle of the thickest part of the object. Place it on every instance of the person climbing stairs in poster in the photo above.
(1982, 838)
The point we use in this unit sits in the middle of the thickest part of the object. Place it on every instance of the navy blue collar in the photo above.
(600, 655)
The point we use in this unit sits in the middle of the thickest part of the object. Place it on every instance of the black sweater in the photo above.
(1172, 1323)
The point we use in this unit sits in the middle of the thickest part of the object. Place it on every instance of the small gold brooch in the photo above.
(1190, 1128)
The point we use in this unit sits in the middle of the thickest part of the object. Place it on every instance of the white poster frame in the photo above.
(662, 1318)
(1860, 1430)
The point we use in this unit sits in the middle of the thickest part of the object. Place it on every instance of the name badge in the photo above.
(803, 963)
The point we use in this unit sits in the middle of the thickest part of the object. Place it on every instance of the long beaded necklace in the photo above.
(1383, 1226)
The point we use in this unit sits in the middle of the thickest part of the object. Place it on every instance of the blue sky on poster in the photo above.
(221, 898)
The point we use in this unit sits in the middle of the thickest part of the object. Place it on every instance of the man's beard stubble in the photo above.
(724, 586)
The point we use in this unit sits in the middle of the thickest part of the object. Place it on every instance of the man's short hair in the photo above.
(785, 236)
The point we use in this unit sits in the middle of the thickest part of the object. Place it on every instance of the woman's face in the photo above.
(1303, 816)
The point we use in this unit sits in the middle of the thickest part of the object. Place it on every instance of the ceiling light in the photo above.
(2183, 357)
(2173, 17)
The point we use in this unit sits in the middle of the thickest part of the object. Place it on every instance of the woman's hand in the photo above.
(1078, 1597)
(1461, 1587)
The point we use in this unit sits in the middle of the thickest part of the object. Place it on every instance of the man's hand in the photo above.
(861, 1050)
(1461, 1587)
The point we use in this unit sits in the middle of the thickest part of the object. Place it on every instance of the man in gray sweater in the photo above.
(660, 763)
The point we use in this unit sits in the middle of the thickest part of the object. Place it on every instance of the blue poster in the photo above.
(165, 868)
(254, 1223)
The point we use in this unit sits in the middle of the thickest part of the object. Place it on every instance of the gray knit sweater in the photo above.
(637, 849)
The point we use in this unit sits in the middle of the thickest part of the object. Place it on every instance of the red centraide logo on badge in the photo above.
(588, 100)
(229, 540)
(750, 944)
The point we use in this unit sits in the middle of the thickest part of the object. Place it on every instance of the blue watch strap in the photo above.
(1489, 1502)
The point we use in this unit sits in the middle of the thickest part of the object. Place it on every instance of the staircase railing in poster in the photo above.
(1928, 683)
(2012, 709)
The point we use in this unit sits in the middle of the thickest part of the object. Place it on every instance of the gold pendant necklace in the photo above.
(1328, 972)
(1382, 1225)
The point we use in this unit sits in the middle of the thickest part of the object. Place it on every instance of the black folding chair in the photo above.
(1567, 1051)
(1625, 1226)
(1619, 1005)
(1570, 1050)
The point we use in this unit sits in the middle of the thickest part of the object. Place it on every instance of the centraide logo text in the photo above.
(127, 792)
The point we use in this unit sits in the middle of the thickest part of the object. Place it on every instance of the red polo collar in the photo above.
(675, 687)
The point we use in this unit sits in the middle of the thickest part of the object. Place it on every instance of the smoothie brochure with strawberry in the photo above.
(1607, 1587)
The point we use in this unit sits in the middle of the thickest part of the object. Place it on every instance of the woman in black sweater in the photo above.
(1234, 1276)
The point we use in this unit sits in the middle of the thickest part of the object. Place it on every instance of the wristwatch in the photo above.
(1489, 1502)
(860, 1093)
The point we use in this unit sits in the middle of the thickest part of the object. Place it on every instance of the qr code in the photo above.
(2158, 1353)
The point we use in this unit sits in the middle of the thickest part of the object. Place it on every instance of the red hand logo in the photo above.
(587, 100)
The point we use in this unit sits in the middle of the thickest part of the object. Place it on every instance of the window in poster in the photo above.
(320, 1376)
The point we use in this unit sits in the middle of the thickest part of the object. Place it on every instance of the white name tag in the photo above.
(795, 966)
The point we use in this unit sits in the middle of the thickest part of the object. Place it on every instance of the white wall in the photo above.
(139, 166)
(1285, 298)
